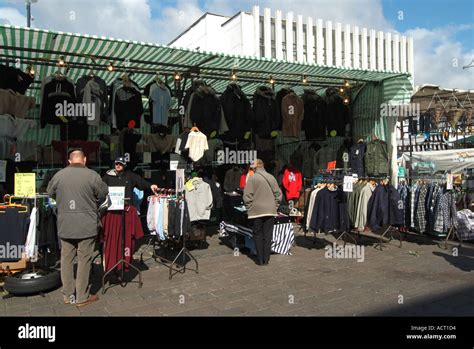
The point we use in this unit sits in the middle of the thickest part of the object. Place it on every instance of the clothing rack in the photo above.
(173, 265)
(122, 262)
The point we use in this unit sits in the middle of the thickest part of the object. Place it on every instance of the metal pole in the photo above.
(28, 14)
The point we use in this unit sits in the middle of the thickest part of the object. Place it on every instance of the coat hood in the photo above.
(265, 92)
(311, 96)
(235, 89)
(204, 91)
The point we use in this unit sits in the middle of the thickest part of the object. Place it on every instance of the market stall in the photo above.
(170, 109)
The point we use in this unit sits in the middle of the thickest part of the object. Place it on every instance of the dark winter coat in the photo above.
(356, 159)
(337, 113)
(330, 211)
(384, 207)
(315, 119)
(205, 110)
(266, 112)
(237, 112)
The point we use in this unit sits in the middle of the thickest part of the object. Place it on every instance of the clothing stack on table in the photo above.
(282, 240)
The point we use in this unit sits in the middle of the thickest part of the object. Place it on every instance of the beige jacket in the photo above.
(262, 195)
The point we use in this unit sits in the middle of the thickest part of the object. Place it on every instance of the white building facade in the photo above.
(299, 39)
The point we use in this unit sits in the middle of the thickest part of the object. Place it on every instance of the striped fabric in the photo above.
(283, 238)
(145, 58)
(283, 235)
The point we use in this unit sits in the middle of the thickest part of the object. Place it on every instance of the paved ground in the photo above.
(418, 279)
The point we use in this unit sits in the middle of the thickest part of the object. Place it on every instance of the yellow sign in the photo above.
(25, 184)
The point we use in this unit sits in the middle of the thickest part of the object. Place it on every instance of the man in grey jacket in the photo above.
(262, 195)
(77, 190)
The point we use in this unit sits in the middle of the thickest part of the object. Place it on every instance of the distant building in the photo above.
(298, 40)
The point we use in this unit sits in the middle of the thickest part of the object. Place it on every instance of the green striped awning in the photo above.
(25, 46)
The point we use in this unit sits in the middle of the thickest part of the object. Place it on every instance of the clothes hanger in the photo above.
(194, 129)
(10, 205)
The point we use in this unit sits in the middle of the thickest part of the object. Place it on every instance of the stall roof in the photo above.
(142, 61)
(428, 95)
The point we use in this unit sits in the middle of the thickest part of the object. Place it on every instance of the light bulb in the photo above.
(61, 61)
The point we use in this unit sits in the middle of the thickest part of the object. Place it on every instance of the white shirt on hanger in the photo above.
(197, 145)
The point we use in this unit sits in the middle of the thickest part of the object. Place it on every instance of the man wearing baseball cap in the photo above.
(120, 176)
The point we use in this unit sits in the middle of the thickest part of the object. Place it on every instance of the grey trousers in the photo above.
(84, 248)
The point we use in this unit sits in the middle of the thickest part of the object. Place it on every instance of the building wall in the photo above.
(205, 35)
(303, 39)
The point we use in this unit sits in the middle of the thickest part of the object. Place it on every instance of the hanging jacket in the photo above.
(376, 159)
(217, 197)
(199, 198)
(292, 182)
(205, 112)
(56, 91)
(112, 228)
(315, 117)
(292, 113)
(385, 207)
(232, 178)
(377, 209)
(337, 113)
(244, 178)
(148, 88)
(128, 107)
(356, 159)
(96, 92)
(266, 112)
(237, 112)
(14, 79)
(282, 93)
(330, 211)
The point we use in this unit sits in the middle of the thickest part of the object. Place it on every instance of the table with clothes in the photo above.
(242, 235)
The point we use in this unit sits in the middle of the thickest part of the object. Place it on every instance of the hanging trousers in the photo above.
(262, 234)
(84, 248)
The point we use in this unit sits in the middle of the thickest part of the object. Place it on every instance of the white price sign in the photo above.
(117, 196)
(348, 181)
(174, 165)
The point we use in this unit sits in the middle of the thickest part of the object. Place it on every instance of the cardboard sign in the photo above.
(25, 184)
(117, 196)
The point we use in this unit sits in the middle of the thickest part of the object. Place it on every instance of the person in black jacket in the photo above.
(121, 177)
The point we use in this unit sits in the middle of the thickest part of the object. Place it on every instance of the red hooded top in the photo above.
(292, 182)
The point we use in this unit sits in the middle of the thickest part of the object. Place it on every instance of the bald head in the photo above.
(77, 157)
(258, 163)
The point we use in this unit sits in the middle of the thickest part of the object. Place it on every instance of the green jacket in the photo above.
(376, 159)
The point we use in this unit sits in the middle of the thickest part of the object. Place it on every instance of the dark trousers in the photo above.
(262, 234)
